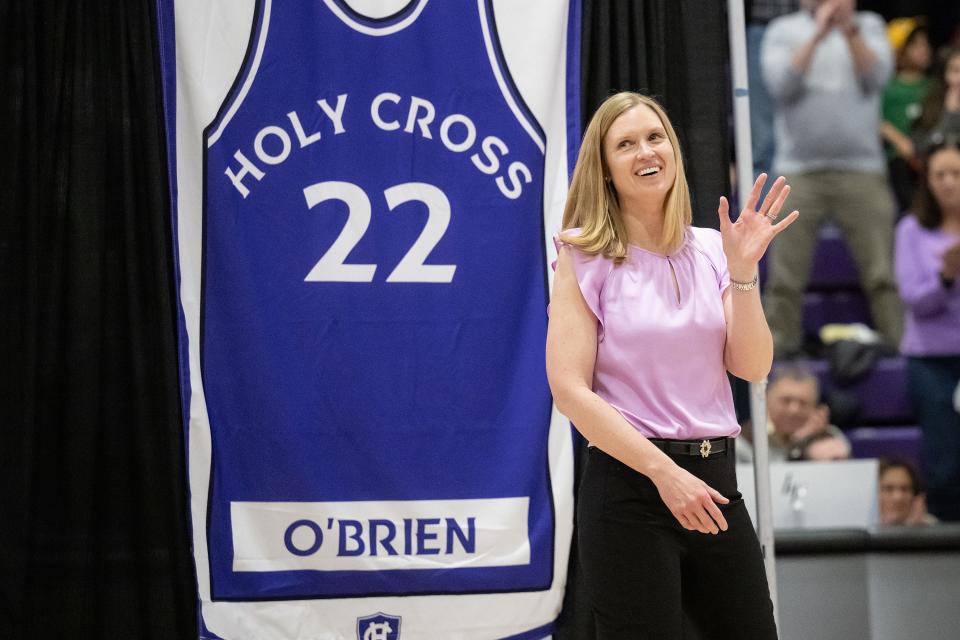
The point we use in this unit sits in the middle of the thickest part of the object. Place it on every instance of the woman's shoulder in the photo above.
(706, 235)
(909, 225)
(582, 261)
(565, 234)
(708, 243)
(707, 240)
(565, 239)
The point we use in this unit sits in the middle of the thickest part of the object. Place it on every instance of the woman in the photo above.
(901, 500)
(647, 316)
(927, 262)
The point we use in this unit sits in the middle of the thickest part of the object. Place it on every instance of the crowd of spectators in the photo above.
(862, 115)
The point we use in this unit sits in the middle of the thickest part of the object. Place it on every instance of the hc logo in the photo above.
(379, 626)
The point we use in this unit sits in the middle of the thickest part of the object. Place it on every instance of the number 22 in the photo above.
(331, 266)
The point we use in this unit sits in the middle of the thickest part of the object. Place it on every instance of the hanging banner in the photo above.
(363, 195)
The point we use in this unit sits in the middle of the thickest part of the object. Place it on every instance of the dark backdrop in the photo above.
(92, 514)
(93, 519)
(675, 51)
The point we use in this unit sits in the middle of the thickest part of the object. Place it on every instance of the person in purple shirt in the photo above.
(927, 261)
(647, 316)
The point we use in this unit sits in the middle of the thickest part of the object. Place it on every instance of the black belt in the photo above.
(699, 448)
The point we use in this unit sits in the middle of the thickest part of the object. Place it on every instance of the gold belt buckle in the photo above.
(705, 447)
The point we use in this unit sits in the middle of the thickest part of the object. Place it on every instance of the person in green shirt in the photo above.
(902, 104)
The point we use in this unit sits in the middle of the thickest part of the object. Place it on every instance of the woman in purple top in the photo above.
(927, 266)
(647, 315)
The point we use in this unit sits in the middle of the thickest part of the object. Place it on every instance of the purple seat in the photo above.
(882, 393)
(820, 308)
(891, 442)
(833, 265)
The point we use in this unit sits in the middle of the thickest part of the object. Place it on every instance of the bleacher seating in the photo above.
(887, 423)
(875, 442)
(833, 292)
(833, 266)
(844, 307)
(882, 392)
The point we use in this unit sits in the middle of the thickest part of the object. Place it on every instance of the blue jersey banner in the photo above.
(363, 196)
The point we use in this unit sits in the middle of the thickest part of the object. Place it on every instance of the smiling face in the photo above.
(639, 156)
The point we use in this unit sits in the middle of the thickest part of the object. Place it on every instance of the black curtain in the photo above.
(94, 536)
(677, 52)
(943, 17)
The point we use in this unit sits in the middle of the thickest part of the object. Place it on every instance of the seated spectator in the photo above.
(927, 268)
(940, 116)
(822, 447)
(901, 500)
(794, 414)
(902, 104)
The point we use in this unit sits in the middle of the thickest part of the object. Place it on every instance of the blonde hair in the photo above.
(592, 203)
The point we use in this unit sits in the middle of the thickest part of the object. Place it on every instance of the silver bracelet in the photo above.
(746, 286)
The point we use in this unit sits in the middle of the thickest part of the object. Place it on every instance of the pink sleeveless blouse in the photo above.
(660, 354)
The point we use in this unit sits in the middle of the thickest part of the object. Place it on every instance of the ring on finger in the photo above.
(771, 216)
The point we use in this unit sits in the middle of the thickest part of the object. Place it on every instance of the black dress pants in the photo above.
(645, 573)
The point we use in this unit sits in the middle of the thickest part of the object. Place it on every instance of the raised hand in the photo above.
(844, 13)
(824, 18)
(817, 421)
(918, 510)
(746, 240)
